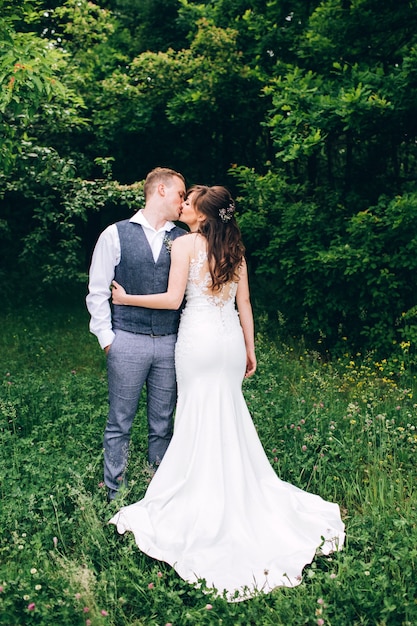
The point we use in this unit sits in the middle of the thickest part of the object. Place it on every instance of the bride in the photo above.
(215, 509)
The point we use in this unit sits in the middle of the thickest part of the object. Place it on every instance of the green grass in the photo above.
(345, 430)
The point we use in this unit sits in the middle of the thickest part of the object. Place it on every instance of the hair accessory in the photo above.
(226, 214)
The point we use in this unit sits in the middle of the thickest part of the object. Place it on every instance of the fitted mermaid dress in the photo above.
(215, 509)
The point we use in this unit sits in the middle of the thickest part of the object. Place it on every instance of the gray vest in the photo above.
(138, 273)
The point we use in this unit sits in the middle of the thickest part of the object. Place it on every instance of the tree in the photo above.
(305, 108)
(345, 149)
(41, 112)
(184, 107)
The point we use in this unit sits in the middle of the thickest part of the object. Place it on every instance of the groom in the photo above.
(139, 343)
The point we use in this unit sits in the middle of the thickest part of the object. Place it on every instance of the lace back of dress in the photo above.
(199, 282)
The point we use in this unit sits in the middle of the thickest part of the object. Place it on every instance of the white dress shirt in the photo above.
(106, 257)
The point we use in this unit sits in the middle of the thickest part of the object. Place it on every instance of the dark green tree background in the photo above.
(305, 109)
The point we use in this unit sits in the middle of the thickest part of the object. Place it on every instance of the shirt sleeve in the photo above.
(106, 256)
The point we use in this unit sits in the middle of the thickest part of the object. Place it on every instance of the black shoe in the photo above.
(111, 495)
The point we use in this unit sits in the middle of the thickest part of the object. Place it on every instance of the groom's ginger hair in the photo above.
(225, 248)
(157, 176)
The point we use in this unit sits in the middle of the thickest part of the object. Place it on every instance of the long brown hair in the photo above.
(225, 249)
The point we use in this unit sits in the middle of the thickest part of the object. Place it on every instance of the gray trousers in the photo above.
(132, 361)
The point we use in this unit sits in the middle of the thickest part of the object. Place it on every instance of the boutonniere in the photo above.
(168, 243)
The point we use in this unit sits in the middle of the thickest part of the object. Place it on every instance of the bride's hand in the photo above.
(250, 364)
(117, 293)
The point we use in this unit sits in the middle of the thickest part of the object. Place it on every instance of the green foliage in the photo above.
(363, 31)
(305, 109)
(83, 24)
(314, 117)
(191, 96)
(333, 216)
(30, 79)
(350, 278)
(26, 78)
(343, 429)
(60, 206)
(154, 24)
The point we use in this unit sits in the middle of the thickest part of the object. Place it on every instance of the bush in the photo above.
(344, 280)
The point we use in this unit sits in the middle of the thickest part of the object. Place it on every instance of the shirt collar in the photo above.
(139, 218)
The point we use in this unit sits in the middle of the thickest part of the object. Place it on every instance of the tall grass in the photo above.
(345, 430)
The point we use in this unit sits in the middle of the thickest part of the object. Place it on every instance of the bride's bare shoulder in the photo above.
(192, 241)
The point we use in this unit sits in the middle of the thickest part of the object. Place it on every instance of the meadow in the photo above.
(343, 428)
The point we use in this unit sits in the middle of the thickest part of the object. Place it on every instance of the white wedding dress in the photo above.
(215, 509)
